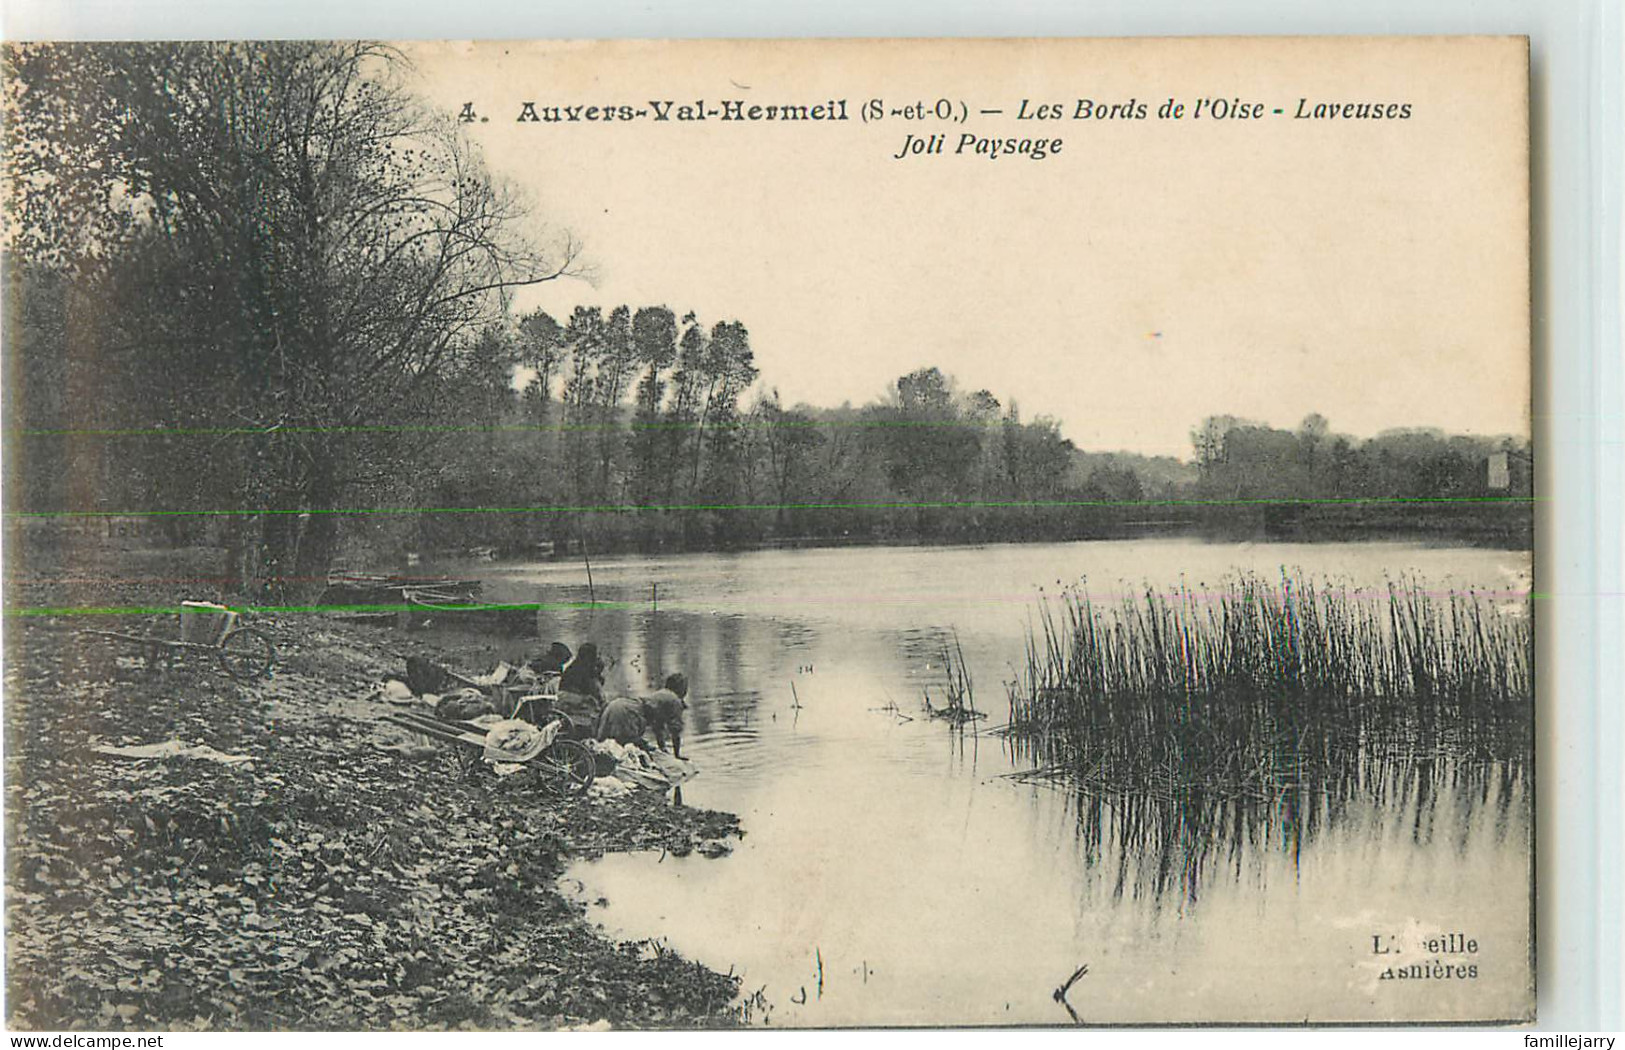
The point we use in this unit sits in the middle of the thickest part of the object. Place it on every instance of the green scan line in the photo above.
(175, 610)
(33, 611)
(278, 610)
(632, 508)
(508, 428)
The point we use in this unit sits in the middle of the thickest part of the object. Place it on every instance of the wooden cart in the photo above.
(245, 653)
(565, 767)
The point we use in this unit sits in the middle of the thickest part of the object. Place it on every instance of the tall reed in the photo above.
(1257, 685)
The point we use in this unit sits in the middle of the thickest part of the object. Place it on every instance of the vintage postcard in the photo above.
(778, 533)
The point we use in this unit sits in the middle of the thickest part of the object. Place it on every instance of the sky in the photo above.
(1151, 273)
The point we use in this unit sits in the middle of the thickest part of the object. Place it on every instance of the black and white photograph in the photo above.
(768, 534)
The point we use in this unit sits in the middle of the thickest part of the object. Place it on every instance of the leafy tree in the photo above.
(654, 344)
(1209, 441)
(790, 440)
(730, 369)
(1117, 484)
(930, 450)
(687, 398)
(541, 350)
(615, 371)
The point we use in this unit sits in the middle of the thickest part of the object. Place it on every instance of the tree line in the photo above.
(261, 292)
(634, 429)
(265, 238)
(1310, 482)
(1238, 458)
(638, 430)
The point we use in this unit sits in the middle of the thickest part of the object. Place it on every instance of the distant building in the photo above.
(1499, 472)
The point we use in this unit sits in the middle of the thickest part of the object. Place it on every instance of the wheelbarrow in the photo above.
(244, 653)
(564, 767)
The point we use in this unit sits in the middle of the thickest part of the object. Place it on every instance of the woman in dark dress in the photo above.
(581, 690)
(553, 661)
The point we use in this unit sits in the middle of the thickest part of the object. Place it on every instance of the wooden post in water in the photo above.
(586, 556)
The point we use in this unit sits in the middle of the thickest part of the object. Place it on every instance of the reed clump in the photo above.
(1260, 685)
(961, 706)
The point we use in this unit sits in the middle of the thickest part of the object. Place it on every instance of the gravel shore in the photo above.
(326, 884)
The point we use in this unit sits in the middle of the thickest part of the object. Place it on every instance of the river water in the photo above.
(892, 873)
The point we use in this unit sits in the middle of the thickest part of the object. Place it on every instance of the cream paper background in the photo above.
(1152, 273)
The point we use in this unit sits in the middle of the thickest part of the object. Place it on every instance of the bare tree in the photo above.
(330, 246)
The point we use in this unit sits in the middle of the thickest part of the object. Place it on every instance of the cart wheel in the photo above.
(246, 654)
(566, 768)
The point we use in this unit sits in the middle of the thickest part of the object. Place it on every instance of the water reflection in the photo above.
(937, 887)
(1168, 851)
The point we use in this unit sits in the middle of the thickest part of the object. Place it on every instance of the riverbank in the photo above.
(324, 884)
(1490, 524)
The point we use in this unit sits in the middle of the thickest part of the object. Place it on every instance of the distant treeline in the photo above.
(1310, 483)
(637, 430)
(647, 429)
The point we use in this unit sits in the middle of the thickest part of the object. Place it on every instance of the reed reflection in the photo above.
(1166, 850)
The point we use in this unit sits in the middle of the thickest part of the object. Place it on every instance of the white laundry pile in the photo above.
(515, 741)
(497, 676)
(609, 787)
(654, 769)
